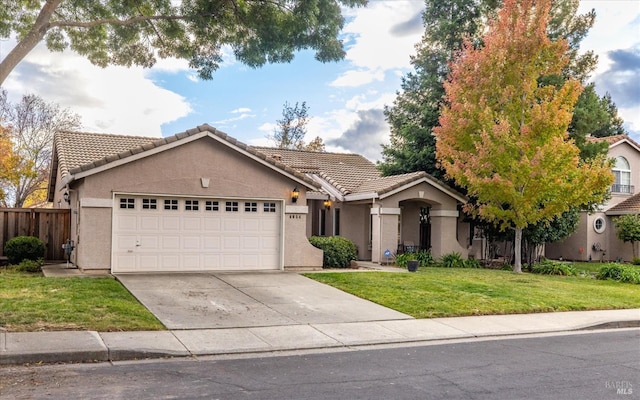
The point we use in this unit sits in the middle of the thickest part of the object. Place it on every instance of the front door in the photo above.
(425, 229)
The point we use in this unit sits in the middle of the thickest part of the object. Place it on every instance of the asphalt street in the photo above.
(590, 365)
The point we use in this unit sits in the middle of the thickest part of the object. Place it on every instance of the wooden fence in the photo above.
(50, 225)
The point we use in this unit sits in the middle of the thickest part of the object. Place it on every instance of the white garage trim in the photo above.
(171, 233)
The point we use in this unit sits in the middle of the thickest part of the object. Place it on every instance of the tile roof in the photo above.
(78, 149)
(611, 140)
(81, 151)
(345, 171)
(628, 206)
(348, 173)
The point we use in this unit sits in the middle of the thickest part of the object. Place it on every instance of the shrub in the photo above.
(452, 260)
(636, 261)
(401, 259)
(24, 248)
(27, 265)
(471, 263)
(548, 267)
(338, 251)
(620, 273)
(425, 259)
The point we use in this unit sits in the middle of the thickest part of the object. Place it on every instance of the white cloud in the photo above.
(240, 110)
(355, 78)
(234, 119)
(114, 99)
(382, 38)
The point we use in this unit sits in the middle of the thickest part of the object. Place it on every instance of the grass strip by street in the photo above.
(31, 302)
(448, 292)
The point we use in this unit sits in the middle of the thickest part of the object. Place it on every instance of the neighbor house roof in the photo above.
(628, 206)
(615, 140)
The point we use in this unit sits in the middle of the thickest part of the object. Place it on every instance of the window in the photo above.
(211, 205)
(191, 205)
(336, 222)
(171, 204)
(128, 203)
(269, 207)
(149, 204)
(599, 225)
(250, 207)
(231, 206)
(622, 174)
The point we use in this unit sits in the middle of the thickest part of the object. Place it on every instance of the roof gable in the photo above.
(81, 154)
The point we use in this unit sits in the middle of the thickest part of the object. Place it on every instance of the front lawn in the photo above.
(446, 292)
(31, 302)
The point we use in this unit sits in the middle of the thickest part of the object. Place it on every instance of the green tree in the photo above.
(416, 109)
(291, 129)
(628, 229)
(594, 116)
(138, 32)
(503, 136)
(31, 124)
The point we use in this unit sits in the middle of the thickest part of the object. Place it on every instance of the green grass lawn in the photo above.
(31, 302)
(445, 292)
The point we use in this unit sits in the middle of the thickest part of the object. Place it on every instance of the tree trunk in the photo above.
(31, 40)
(517, 249)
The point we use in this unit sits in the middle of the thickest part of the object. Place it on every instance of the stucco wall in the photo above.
(354, 225)
(178, 171)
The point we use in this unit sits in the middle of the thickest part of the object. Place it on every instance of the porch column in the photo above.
(444, 238)
(384, 231)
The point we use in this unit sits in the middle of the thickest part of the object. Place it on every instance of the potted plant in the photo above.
(412, 263)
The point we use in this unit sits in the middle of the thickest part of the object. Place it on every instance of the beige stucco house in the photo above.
(596, 237)
(201, 200)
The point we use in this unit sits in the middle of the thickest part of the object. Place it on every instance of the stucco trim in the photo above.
(361, 196)
(96, 202)
(444, 213)
(442, 188)
(385, 211)
(289, 209)
(329, 188)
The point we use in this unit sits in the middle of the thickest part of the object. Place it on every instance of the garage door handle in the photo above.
(137, 244)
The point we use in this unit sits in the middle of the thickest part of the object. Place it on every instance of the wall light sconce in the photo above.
(327, 204)
(295, 194)
(66, 197)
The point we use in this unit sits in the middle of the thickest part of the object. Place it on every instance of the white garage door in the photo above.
(170, 234)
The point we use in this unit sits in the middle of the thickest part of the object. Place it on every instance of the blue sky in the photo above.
(346, 99)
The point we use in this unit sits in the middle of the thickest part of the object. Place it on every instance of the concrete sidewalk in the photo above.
(89, 346)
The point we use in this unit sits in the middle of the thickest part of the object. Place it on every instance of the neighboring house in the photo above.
(201, 200)
(596, 238)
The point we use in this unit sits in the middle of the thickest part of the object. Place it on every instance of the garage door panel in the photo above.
(150, 223)
(191, 243)
(170, 223)
(170, 242)
(180, 238)
(191, 223)
(127, 223)
(212, 224)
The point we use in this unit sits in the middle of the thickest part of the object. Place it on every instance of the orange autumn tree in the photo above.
(503, 134)
(9, 163)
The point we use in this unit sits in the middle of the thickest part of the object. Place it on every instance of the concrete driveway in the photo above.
(248, 299)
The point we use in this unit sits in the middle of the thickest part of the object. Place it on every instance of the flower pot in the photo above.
(412, 265)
